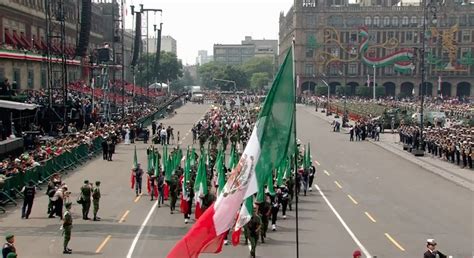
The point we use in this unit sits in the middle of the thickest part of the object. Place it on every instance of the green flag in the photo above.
(200, 185)
(220, 172)
(308, 157)
(276, 124)
(135, 159)
(270, 184)
(157, 164)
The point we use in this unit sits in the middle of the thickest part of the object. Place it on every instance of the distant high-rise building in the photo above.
(168, 44)
(237, 54)
(203, 57)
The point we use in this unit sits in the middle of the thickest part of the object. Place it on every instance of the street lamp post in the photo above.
(374, 84)
(329, 92)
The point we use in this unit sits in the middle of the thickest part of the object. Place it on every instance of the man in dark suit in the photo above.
(432, 252)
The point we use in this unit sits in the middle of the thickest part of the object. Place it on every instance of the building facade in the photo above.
(168, 44)
(237, 54)
(344, 44)
(23, 41)
(203, 57)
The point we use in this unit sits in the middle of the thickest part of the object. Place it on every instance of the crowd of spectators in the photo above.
(66, 138)
(454, 144)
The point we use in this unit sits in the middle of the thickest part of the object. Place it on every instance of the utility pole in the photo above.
(374, 83)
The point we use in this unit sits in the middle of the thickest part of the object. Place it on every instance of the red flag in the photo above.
(148, 185)
(236, 237)
(198, 211)
(201, 238)
(132, 180)
(166, 191)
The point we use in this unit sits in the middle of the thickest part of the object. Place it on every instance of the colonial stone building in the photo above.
(344, 44)
(23, 40)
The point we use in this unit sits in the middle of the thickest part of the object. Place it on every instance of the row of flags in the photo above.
(268, 156)
(271, 143)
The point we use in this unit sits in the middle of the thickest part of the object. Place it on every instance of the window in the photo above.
(376, 21)
(220, 51)
(386, 21)
(43, 79)
(409, 36)
(2, 74)
(309, 52)
(16, 83)
(353, 37)
(414, 21)
(333, 70)
(309, 70)
(352, 69)
(310, 21)
(466, 36)
(395, 21)
(335, 52)
(368, 21)
(391, 34)
(388, 70)
(405, 21)
(31, 79)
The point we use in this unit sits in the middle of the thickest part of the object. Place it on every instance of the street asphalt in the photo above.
(385, 205)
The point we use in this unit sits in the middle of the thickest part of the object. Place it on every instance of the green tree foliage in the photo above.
(259, 80)
(259, 65)
(241, 74)
(170, 69)
(340, 90)
(207, 72)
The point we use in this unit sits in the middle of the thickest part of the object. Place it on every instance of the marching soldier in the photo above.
(264, 210)
(86, 191)
(173, 192)
(96, 199)
(67, 228)
(254, 226)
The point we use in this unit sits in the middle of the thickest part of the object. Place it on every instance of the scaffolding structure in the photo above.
(56, 60)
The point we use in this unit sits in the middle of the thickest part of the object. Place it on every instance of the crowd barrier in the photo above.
(59, 164)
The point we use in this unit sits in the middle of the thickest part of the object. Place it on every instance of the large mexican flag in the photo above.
(269, 144)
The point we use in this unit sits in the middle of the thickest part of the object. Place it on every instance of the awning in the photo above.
(16, 105)
(17, 39)
(9, 38)
(43, 44)
(37, 43)
(27, 42)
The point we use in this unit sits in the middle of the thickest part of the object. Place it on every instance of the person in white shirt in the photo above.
(163, 136)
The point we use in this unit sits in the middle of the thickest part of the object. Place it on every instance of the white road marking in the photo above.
(317, 163)
(135, 240)
(349, 231)
(326, 172)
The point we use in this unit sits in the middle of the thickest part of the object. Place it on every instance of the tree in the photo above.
(207, 72)
(259, 80)
(259, 65)
(322, 90)
(170, 69)
(237, 74)
(363, 91)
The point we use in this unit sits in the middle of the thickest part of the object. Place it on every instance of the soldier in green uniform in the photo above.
(173, 183)
(96, 199)
(264, 209)
(86, 191)
(254, 226)
(67, 227)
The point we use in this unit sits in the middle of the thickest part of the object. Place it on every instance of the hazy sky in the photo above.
(198, 24)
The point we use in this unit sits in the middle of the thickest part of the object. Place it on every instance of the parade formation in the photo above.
(351, 134)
